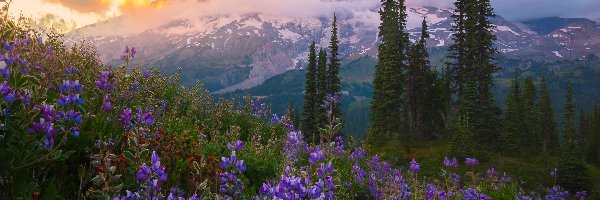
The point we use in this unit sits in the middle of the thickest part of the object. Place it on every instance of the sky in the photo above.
(65, 15)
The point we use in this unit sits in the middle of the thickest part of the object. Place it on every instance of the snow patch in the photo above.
(289, 35)
(506, 29)
(557, 54)
(442, 43)
(507, 50)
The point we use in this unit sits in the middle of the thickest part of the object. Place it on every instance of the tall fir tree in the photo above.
(583, 132)
(387, 112)
(547, 121)
(418, 84)
(333, 71)
(321, 88)
(511, 138)
(592, 154)
(572, 170)
(462, 144)
(530, 131)
(309, 127)
(471, 59)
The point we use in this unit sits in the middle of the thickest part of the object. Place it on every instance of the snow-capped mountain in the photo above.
(242, 51)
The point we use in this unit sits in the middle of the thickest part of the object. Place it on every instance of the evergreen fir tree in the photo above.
(418, 85)
(572, 170)
(461, 143)
(592, 153)
(309, 127)
(387, 112)
(530, 131)
(547, 121)
(511, 138)
(333, 71)
(583, 134)
(321, 88)
(471, 60)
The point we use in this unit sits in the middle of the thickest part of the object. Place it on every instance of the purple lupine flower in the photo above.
(146, 118)
(276, 119)
(472, 162)
(106, 105)
(65, 86)
(553, 172)
(5, 89)
(133, 52)
(48, 142)
(414, 166)
(450, 163)
(357, 154)
(4, 69)
(224, 162)
(75, 131)
(316, 155)
(126, 117)
(505, 179)
(491, 172)
(146, 74)
(238, 145)
(241, 166)
(258, 108)
(581, 195)
(103, 83)
(558, 193)
(75, 85)
(143, 173)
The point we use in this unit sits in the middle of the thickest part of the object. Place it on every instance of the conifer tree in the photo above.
(547, 121)
(471, 60)
(462, 140)
(309, 127)
(387, 112)
(530, 129)
(461, 145)
(418, 84)
(511, 138)
(583, 134)
(572, 170)
(593, 147)
(333, 71)
(321, 88)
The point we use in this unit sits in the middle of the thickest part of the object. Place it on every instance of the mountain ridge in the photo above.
(269, 45)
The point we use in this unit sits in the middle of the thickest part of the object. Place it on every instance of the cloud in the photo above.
(85, 6)
(530, 9)
(199, 13)
(51, 21)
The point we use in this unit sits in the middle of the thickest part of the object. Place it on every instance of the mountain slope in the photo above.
(231, 52)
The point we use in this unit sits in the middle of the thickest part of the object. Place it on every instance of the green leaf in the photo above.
(129, 155)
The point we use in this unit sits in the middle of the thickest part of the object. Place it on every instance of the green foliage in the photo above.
(309, 122)
(572, 170)
(333, 70)
(511, 138)
(387, 110)
(462, 140)
(321, 115)
(424, 101)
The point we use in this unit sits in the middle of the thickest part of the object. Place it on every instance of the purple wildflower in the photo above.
(414, 166)
(472, 162)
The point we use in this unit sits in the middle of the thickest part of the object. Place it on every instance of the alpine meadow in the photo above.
(300, 99)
